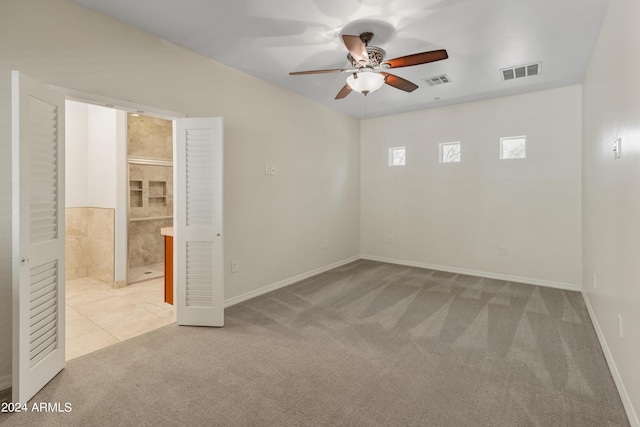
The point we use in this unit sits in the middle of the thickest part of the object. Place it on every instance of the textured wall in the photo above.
(146, 244)
(155, 196)
(149, 137)
(101, 235)
(90, 243)
(150, 188)
(76, 243)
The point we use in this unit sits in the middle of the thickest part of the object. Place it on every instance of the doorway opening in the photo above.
(119, 194)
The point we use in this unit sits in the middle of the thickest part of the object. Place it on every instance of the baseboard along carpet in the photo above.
(365, 344)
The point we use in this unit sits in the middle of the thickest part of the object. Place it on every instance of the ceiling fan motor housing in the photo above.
(376, 56)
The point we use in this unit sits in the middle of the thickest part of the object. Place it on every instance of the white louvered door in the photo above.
(38, 235)
(198, 274)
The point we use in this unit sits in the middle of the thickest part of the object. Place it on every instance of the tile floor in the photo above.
(146, 272)
(99, 316)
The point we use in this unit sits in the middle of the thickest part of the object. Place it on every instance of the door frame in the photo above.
(105, 101)
(127, 106)
(130, 106)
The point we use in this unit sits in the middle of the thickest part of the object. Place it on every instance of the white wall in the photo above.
(76, 154)
(96, 167)
(101, 158)
(611, 195)
(274, 225)
(90, 156)
(453, 216)
(5, 229)
(122, 193)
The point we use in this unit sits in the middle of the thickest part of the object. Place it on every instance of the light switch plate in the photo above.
(617, 148)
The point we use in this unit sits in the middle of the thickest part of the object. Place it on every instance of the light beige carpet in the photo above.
(367, 344)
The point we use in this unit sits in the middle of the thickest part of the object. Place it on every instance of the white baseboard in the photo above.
(286, 282)
(5, 382)
(624, 396)
(488, 275)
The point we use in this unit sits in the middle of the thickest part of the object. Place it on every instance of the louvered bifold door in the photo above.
(198, 222)
(38, 235)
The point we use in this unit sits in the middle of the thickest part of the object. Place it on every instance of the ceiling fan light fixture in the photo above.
(365, 82)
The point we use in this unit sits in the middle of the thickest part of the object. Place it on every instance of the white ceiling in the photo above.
(270, 38)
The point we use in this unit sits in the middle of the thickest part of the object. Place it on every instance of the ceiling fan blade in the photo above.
(333, 70)
(356, 48)
(346, 90)
(417, 58)
(399, 82)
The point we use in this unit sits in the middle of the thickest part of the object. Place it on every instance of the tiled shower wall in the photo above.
(150, 188)
(149, 137)
(90, 243)
(146, 244)
(151, 208)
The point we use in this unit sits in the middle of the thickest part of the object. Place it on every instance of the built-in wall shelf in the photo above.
(157, 189)
(135, 194)
(157, 193)
(159, 201)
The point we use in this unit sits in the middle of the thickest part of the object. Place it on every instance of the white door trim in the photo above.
(119, 104)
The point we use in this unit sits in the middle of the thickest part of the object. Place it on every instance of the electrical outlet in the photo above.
(389, 240)
(234, 266)
(325, 245)
(595, 281)
(503, 250)
(267, 169)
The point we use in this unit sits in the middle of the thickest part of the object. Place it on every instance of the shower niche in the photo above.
(135, 194)
(157, 193)
(152, 194)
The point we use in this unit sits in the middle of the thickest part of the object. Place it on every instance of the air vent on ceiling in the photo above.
(521, 71)
(437, 80)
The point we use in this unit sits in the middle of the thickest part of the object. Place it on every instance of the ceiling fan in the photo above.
(367, 74)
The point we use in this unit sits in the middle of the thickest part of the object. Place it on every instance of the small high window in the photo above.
(449, 152)
(397, 156)
(513, 147)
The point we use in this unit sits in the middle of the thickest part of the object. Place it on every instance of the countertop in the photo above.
(166, 231)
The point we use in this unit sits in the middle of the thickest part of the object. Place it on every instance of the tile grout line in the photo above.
(136, 298)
